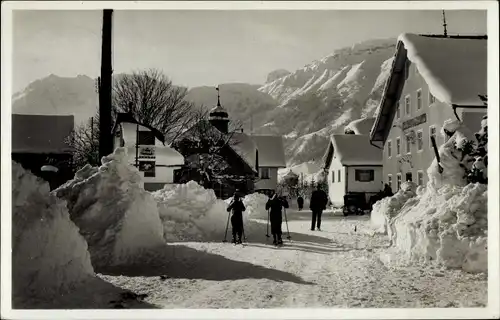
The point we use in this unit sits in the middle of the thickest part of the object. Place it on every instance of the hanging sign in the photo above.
(148, 167)
(415, 121)
(147, 152)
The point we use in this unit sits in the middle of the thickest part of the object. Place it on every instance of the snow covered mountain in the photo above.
(305, 106)
(54, 95)
(322, 97)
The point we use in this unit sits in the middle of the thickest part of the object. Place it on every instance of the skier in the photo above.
(237, 207)
(275, 205)
(318, 203)
(300, 202)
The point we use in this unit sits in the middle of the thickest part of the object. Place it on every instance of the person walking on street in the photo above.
(300, 202)
(237, 207)
(318, 203)
(387, 191)
(275, 205)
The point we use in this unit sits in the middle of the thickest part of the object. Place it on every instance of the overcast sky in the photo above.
(197, 48)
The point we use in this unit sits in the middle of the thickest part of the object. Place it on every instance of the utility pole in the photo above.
(105, 139)
(444, 25)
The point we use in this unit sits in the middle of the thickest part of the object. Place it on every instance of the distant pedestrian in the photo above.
(318, 203)
(237, 207)
(275, 205)
(300, 202)
(387, 191)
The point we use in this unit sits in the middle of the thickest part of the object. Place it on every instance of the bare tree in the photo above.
(84, 142)
(152, 98)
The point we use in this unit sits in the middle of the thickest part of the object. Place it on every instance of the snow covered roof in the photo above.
(271, 150)
(353, 149)
(126, 117)
(361, 126)
(454, 68)
(245, 147)
(41, 133)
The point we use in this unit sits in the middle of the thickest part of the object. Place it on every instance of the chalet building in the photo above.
(255, 159)
(146, 150)
(41, 141)
(432, 79)
(353, 166)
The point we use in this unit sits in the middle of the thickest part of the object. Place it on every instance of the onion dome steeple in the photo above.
(219, 117)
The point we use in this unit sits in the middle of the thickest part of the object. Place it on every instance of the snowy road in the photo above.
(336, 267)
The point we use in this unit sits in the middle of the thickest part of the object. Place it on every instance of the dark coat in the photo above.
(300, 201)
(275, 204)
(319, 200)
(237, 207)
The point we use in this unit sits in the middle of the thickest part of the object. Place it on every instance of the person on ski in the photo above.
(318, 203)
(300, 202)
(274, 205)
(237, 207)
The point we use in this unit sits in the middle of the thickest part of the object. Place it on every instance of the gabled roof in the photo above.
(271, 150)
(41, 133)
(245, 147)
(128, 117)
(351, 150)
(454, 68)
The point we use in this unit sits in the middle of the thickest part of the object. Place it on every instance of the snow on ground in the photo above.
(190, 212)
(119, 220)
(49, 256)
(256, 206)
(445, 223)
(337, 267)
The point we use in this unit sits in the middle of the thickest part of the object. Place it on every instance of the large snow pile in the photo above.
(117, 217)
(447, 221)
(49, 256)
(256, 206)
(387, 208)
(191, 212)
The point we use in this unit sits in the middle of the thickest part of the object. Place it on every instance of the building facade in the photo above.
(410, 114)
(147, 151)
(352, 166)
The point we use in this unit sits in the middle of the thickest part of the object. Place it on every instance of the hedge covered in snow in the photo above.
(49, 256)
(117, 217)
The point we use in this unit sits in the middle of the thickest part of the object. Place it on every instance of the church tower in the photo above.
(219, 117)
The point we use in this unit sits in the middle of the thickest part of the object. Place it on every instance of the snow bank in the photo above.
(256, 205)
(117, 217)
(190, 212)
(49, 256)
(386, 209)
(447, 221)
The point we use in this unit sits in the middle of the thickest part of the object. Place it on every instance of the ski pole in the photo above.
(227, 226)
(268, 214)
(243, 231)
(286, 222)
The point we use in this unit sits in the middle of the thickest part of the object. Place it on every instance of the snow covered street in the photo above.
(335, 267)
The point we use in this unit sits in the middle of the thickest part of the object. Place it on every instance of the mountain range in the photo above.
(305, 106)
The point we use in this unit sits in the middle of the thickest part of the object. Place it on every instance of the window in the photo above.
(399, 181)
(408, 143)
(338, 175)
(364, 175)
(420, 178)
(146, 138)
(264, 173)
(333, 176)
(398, 110)
(432, 133)
(419, 99)
(389, 180)
(409, 176)
(407, 105)
(432, 99)
(398, 146)
(389, 148)
(148, 167)
(420, 140)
